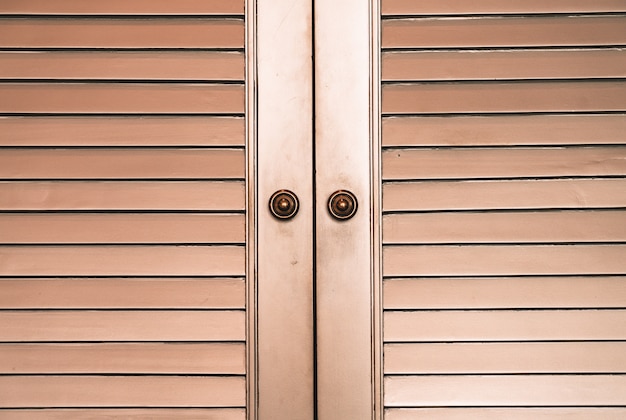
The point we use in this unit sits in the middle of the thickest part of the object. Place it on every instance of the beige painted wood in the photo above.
(86, 32)
(525, 413)
(109, 358)
(439, 7)
(122, 326)
(122, 195)
(121, 293)
(505, 390)
(122, 391)
(115, 65)
(503, 32)
(122, 260)
(501, 130)
(517, 194)
(505, 292)
(133, 98)
(503, 97)
(503, 64)
(505, 325)
(510, 227)
(127, 413)
(451, 260)
(124, 7)
(489, 358)
(122, 131)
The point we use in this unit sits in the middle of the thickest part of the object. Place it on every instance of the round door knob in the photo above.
(284, 204)
(342, 205)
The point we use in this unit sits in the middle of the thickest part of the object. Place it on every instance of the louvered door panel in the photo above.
(122, 224)
(503, 198)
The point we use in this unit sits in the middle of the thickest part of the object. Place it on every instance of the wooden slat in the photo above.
(505, 390)
(120, 293)
(44, 326)
(503, 292)
(122, 131)
(132, 98)
(122, 391)
(85, 32)
(504, 325)
(494, 97)
(526, 413)
(511, 227)
(503, 32)
(144, 358)
(464, 358)
(453, 7)
(535, 194)
(122, 195)
(127, 413)
(123, 7)
(502, 65)
(121, 163)
(502, 260)
(122, 260)
(503, 130)
(115, 65)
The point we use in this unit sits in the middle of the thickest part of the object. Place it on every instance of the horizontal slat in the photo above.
(122, 195)
(572, 357)
(122, 391)
(122, 131)
(503, 292)
(502, 260)
(122, 326)
(504, 325)
(131, 98)
(503, 130)
(120, 293)
(444, 7)
(535, 194)
(488, 65)
(145, 358)
(121, 163)
(503, 32)
(500, 162)
(508, 227)
(102, 65)
(121, 33)
(127, 413)
(122, 260)
(121, 228)
(526, 413)
(130, 7)
(476, 97)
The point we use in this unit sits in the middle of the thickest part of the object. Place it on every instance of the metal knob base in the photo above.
(342, 205)
(284, 204)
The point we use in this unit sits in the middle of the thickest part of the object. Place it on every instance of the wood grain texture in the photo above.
(489, 358)
(122, 260)
(525, 413)
(123, 293)
(122, 391)
(122, 131)
(503, 130)
(45, 326)
(116, 358)
(89, 32)
(503, 32)
(116, 65)
(122, 195)
(505, 292)
(127, 413)
(124, 98)
(499, 97)
(504, 325)
(516, 194)
(505, 390)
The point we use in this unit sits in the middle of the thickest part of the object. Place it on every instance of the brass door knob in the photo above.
(284, 204)
(342, 205)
